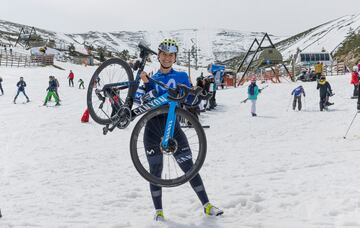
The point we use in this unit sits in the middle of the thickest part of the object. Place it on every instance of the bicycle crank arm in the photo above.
(108, 128)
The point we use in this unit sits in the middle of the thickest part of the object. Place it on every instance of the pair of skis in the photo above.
(245, 100)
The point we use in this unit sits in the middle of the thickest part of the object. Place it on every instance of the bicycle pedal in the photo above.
(105, 130)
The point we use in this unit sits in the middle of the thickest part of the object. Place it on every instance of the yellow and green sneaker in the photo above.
(159, 216)
(211, 210)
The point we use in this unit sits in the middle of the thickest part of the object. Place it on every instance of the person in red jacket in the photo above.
(355, 81)
(71, 79)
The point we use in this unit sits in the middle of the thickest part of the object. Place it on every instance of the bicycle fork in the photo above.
(168, 143)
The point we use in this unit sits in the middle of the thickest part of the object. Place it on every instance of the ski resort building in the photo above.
(311, 58)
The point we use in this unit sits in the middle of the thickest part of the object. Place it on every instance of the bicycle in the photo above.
(110, 103)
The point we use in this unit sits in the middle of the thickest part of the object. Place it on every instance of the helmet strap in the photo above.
(166, 68)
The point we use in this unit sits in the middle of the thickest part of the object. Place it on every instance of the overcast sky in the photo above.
(278, 17)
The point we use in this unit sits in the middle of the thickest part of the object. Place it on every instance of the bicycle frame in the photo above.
(153, 104)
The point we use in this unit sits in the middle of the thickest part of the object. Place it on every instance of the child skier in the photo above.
(297, 96)
(253, 92)
(81, 83)
(355, 81)
(325, 92)
(51, 91)
(21, 89)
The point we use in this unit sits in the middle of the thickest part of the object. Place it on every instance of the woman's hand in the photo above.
(144, 76)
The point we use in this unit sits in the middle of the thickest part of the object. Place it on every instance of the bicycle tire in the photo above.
(136, 153)
(125, 75)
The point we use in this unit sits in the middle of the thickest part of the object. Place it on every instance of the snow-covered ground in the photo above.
(282, 169)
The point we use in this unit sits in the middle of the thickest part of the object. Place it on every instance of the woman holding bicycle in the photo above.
(167, 52)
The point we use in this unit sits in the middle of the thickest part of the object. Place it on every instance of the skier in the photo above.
(21, 88)
(355, 81)
(253, 92)
(71, 79)
(1, 89)
(81, 83)
(325, 92)
(51, 91)
(167, 52)
(297, 96)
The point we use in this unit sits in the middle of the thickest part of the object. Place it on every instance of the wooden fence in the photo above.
(15, 59)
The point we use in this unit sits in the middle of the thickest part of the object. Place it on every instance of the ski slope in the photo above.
(282, 169)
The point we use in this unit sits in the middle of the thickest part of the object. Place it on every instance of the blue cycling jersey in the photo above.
(171, 79)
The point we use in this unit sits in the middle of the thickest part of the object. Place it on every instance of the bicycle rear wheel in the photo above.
(103, 105)
(181, 161)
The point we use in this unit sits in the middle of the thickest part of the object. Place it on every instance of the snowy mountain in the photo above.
(328, 36)
(212, 45)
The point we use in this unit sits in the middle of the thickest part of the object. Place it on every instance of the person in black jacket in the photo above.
(21, 89)
(325, 92)
(200, 82)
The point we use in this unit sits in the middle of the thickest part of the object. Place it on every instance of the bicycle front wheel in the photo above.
(178, 163)
(104, 104)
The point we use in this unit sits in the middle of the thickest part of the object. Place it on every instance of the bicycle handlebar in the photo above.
(183, 91)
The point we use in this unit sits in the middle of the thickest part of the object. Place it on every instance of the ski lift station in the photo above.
(311, 58)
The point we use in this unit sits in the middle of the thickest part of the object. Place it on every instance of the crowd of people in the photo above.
(52, 89)
(324, 87)
(312, 74)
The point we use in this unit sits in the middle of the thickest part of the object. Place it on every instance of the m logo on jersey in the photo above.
(171, 84)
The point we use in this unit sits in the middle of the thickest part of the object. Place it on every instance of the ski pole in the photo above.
(350, 125)
(287, 109)
(244, 101)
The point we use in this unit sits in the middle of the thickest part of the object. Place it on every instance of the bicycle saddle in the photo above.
(145, 48)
